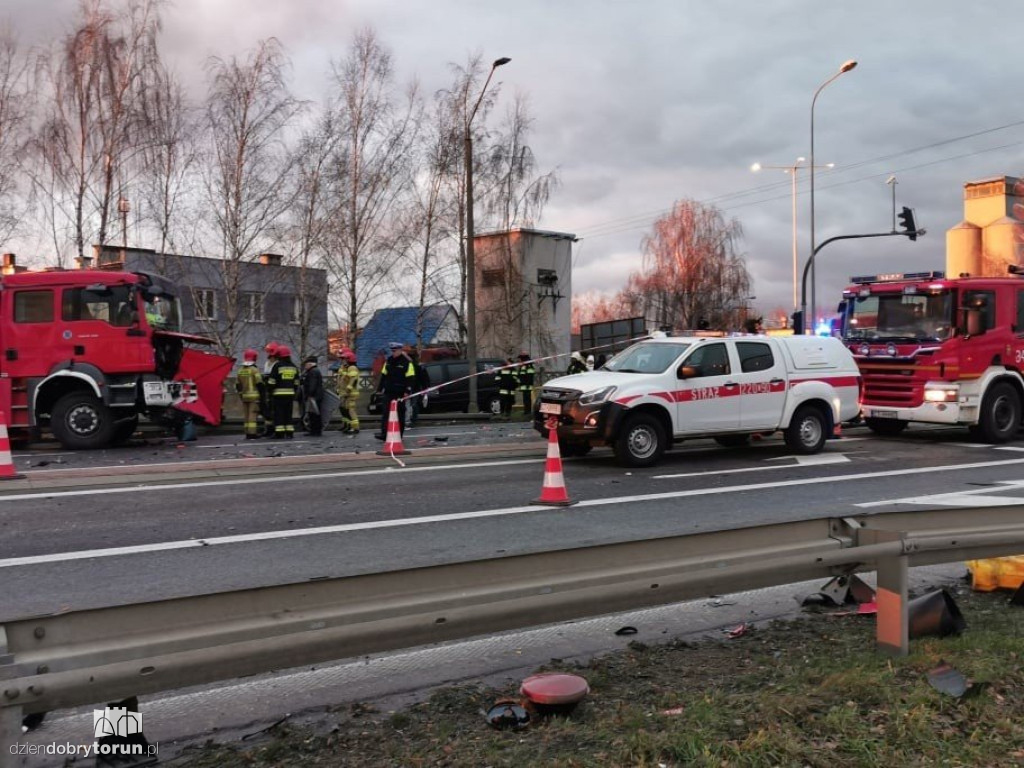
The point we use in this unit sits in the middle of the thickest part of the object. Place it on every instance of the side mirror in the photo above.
(687, 372)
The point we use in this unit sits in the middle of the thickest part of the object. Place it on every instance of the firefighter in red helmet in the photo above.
(281, 386)
(249, 386)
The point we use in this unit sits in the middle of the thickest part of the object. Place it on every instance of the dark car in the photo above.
(454, 396)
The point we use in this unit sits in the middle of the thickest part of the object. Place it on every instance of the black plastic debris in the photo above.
(841, 590)
(508, 714)
(627, 630)
(1018, 596)
(935, 613)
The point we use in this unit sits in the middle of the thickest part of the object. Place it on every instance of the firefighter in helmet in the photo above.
(281, 386)
(266, 406)
(348, 391)
(508, 383)
(249, 386)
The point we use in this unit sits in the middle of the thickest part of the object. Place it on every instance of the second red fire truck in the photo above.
(938, 350)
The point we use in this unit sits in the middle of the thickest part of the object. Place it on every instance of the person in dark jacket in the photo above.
(576, 364)
(397, 379)
(311, 385)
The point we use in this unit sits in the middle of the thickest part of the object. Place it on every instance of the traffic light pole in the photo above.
(810, 262)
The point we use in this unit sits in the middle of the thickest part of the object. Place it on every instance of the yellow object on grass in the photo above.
(997, 573)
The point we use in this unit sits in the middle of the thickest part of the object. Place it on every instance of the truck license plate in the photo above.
(555, 409)
(884, 414)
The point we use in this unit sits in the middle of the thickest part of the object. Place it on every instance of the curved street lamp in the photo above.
(470, 252)
(843, 69)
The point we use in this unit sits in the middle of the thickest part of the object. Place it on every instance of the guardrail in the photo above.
(83, 657)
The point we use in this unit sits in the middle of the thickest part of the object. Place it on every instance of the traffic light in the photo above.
(798, 323)
(907, 222)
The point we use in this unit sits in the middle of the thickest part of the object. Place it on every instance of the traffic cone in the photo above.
(553, 492)
(7, 471)
(393, 443)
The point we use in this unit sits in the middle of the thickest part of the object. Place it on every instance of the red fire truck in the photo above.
(938, 350)
(85, 352)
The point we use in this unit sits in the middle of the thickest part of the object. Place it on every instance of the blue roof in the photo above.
(398, 324)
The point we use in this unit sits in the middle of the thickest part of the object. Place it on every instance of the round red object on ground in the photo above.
(554, 688)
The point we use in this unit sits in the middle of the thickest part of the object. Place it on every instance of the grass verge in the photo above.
(811, 692)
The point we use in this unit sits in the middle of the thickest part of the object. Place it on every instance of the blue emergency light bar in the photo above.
(898, 277)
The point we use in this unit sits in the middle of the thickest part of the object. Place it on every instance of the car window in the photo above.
(710, 360)
(754, 356)
(457, 370)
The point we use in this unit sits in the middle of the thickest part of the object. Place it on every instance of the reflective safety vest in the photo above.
(282, 380)
(525, 373)
(248, 383)
(507, 381)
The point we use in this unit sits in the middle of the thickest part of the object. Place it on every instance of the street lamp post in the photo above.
(791, 170)
(846, 67)
(470, 253)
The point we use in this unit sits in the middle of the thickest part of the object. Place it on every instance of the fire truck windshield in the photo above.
(900, 316)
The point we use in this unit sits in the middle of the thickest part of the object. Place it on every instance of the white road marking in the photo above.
(1007, 447)
(294, 533)
(976, 498)
(817, 460)
(255, 480)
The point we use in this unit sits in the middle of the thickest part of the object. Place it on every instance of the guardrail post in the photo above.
(10, 732)
(892, 632)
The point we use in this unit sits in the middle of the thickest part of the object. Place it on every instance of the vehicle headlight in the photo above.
(949, 394)
(597, 396)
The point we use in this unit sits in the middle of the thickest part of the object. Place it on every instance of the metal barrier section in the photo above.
(84, 657)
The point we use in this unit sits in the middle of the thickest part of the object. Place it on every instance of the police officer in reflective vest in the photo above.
(348, 391)
(281, 383)
(508, 383)
(525, 373)
(249, 385)
(397, 379)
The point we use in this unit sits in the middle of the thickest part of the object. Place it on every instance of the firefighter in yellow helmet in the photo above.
(249, 386)
(281, 383)
(348, 391)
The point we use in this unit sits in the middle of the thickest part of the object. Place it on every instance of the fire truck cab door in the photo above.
(100, 325)
(30, 332)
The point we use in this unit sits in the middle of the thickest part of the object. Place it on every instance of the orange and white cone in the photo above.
(393, 443)
(7, 470)
(553, 492)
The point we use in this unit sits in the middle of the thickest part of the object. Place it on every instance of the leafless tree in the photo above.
(371, 170)
(691, 270)
(14, 124)
(247, 191)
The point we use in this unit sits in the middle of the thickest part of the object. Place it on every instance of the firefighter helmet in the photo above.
(348, 356)
(283, 351)
(250, 355)
(272, 349)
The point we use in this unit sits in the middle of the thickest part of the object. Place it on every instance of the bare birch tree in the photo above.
(371, 170)
(14, 124)
(247, 190)
(692, 271)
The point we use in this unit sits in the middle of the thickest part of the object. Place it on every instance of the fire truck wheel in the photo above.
(1000, 414)
(641, 441)
(81, 422)
(886, 427)
(807, 431)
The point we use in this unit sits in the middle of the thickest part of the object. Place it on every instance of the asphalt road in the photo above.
(159, 519)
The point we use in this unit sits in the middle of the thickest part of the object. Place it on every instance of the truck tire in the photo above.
(807, 431)
(641, 441)
(80, 421)
(732, 441)
(885, 427)
(1000, 414)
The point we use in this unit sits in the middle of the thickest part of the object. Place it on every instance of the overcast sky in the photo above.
(639, 104)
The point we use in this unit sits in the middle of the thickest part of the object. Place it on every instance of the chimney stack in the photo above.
(9, 264)
(270, 259)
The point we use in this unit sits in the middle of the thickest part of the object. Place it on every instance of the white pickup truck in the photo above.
(667, 389)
